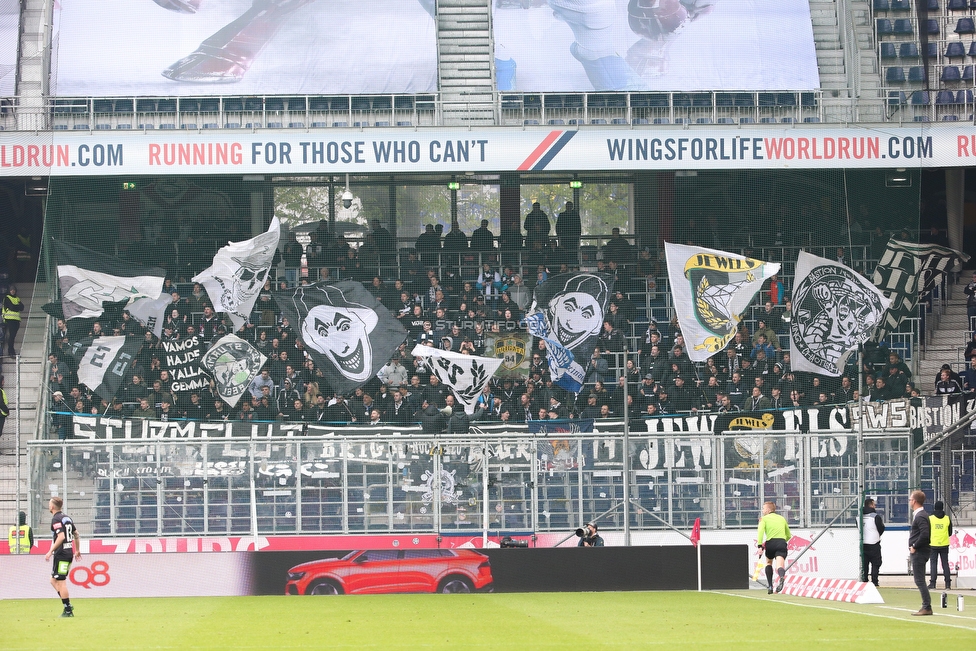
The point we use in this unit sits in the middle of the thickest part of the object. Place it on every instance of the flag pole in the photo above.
(626, 454)
(698, 550)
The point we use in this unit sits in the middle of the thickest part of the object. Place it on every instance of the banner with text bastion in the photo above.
(488, 149)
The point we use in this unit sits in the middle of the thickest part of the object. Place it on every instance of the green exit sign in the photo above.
(128, 186)
(453, 185)
(576, 185)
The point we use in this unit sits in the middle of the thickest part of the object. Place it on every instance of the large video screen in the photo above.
(9, 26)
(244, 47)
(667, 45)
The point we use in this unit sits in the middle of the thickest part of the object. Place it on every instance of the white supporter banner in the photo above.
(487, 149)
(855, 592)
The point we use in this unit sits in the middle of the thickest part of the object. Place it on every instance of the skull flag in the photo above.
(238, 272)
(465, 375)
(711, 291)
(347, 332)
(567, 313)
(88, 279)
(835, 310)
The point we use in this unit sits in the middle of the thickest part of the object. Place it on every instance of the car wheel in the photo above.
(324, 588)
(455, 584)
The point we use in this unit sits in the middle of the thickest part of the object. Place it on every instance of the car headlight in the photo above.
(294, 576)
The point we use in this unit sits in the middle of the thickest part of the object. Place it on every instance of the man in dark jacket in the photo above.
(458, 421)
(918, 546)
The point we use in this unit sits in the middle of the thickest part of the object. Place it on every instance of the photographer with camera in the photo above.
(588, 536)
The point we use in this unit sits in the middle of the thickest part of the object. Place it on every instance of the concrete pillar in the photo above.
(955, 205)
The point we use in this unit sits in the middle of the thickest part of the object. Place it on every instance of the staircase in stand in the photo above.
(465, 68)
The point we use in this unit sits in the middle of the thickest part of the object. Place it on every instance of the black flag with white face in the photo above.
(104, 362)
(908, 271)
(348, 333)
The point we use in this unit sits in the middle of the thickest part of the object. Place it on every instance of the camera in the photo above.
(509, 543)
(583, 532)
(347, 199)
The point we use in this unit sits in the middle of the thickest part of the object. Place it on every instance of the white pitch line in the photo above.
(966, 617)
(922, 620)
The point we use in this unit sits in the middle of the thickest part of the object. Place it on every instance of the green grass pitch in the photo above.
(630, 620)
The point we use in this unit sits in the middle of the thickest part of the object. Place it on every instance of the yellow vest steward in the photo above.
(940, 531)
(11, 315)
(20, 532)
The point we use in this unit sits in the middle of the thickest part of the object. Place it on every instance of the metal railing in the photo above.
(420, 483)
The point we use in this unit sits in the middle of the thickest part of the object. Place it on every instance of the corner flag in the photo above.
(696, 532)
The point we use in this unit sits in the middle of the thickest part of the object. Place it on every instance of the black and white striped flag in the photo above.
(907, 271)
(104, 362)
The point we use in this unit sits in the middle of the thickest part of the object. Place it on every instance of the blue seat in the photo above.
(275, 125)
(383, 123)
(903, 27)
(932, 5)
(884, 27)
(908, 50)
(598, 121)
(945, 97)
(296, 125)
(901, 5)
(103, 127)
(965, 26)
(320, 125)
(618, 121)
(933, 50)
(916, 74)
(950, 118)
(787, 121)
(812, 120)
(921, 118)
(747, 120)
(404, 123)
(767, 120)
(957, 5)
(920, 98)
(972, 49)
(881, 5)
(950, 74)
(955, 49)
(964, 97)
(662, 121)
(703, 121)
(232, 125)
(897, 98)
(682, 120)
(967, 73)
(726, 121)
(639, 121)
(530, 123)
(211, 125)
(888, 51)
(895, 75)
(932, 27)
(340, 124)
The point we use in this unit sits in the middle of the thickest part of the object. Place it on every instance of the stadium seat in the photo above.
(639, 121)
(950, 118)
(908, 50)
(972, 49)
(189, 126)
(903, 27)
(965, 26)
(897, 98)
(662, 121)
(895, 75)
(932, 5)
(557, 122)
(148, 126)
(252, 125)
(921, 118)
(950, 74)
(275, 125)
(296, 125)
(232, 125)
(964, 97)
(932, 27)
(529, 123)
(703, 121)
(812, 120)
(747, 120)
(383, 123)
(211, 125)
(888, 51)
(123, 126)
(682, 120)
(920, 98)
(767, 120)
(967, 73)
(901, 5)
(945, 97)
(340, 124)
(882, 5)
(787, 121)
(932, 50)
(404, 123)
(618, 121)
(320, 125)
(598, 121)
(884, 27)
(955, 49)
(103, 127)
(957, 5)
(916, 74)
(60, 127)
(726, 121)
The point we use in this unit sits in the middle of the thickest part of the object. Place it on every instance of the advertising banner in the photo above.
(9, 38)
(572, 46)
(488, 149)
(110, 48)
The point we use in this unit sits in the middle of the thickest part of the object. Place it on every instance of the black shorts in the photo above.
(61, 567)
(776, 547)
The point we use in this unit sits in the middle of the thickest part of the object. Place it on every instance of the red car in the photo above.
(393, 570)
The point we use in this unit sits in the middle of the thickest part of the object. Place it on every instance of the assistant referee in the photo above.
(772, 536)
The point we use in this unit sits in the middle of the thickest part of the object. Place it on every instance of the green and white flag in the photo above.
(233, 363)
(711, 290)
